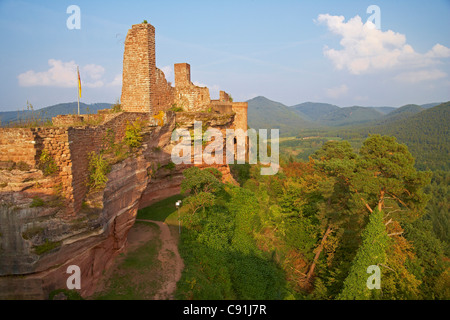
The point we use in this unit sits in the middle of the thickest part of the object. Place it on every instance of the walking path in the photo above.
(171, 262)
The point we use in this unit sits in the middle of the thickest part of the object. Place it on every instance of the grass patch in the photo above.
(136, 277)
(163, 210)
(46, 247)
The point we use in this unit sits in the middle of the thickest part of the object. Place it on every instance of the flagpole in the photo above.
(78, 93)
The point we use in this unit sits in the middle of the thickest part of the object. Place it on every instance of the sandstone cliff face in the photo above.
(38, 243)
(91, 241)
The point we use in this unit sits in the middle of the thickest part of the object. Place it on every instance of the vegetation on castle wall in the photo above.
(133, 134)
(98, 168)
(47, 164)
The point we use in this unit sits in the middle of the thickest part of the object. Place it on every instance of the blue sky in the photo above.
(288, 51)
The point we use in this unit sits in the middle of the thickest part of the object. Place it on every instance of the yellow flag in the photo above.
(79, 82)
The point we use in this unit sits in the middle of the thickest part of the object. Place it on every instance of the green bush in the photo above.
(98, 169)
(133, 134)
(37, 202)
(70, 294)
(170, 165)
(47, 164)
(176, 108)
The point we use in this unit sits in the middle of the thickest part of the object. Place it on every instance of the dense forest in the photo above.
(426, 134)
(312, 230)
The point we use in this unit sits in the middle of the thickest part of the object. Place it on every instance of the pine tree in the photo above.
(375, 242)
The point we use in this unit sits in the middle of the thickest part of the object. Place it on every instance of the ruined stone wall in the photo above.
(240, 108)
(163, 93)
(139, 69)
(182, 73)
(17, 145)
(83, 141)
(68, 147)
(224, 97)
(187, 95)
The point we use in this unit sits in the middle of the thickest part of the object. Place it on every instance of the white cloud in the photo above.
(93, 71)
(421, 75)
(60, 74)
(337, 92)
(366, 49)
(64, 75)
(117, 81)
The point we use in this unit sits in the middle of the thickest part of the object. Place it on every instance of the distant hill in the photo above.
(349, 116)
(426, 133)
(314, 111)
(325, 114)
(384, 110)
(431, 105)
(398, 114)
(52, 111)
(267, 114)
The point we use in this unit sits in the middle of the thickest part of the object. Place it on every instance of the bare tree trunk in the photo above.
(318, 252)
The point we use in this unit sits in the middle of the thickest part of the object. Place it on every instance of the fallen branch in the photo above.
(395, 234)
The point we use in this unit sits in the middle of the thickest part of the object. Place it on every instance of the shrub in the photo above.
(117, 107)
(176, 108)
(170, 165)
(37, 202)
(98, 169)
(70, 294)
(133, 134)
(47, 164)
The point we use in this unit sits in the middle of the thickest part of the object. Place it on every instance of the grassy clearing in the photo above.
(136, 275)
(163, 210)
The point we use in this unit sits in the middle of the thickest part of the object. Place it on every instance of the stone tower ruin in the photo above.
(139, 69)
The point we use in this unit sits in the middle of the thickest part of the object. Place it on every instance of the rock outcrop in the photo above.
(39, 241)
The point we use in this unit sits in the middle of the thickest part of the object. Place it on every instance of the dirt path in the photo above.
(171, 262)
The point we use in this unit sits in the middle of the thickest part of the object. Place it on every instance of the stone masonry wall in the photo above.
(163, 93)
(84, 140)
(187, 95)
(17, 145)
(69, 147)
(139, 69)
(240, 108)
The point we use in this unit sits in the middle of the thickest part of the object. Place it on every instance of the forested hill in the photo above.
(51, 111)
(426, 134)
(267, 114)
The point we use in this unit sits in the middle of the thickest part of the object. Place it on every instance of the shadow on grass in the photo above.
(136, 275)
(161, 210)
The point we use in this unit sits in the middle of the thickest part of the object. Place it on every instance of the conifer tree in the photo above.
(372, 252)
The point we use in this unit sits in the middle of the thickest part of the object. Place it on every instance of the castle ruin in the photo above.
(39, 242)
(145, 88)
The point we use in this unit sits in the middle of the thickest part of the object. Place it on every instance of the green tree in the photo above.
(381, 177)
(375, 242)
(202, 185)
